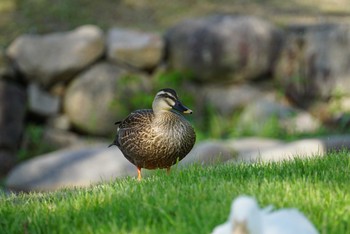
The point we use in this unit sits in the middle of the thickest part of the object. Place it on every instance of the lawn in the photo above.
(191, 200)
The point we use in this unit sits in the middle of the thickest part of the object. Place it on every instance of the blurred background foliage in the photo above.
(43, 16)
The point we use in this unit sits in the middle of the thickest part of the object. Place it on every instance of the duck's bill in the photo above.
(181, 108)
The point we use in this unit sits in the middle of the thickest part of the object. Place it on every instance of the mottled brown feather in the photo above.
(150, 141)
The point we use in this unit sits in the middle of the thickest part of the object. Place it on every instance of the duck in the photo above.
(246, 217)
(158, 137)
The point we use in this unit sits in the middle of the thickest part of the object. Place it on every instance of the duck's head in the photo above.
(167, 99)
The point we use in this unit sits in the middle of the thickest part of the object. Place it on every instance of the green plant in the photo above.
(33, 143)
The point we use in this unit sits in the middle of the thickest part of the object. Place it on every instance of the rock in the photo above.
(301, 122)
(252, 144)
(223, 47)
(273, 151)
(313, 64)
(58, 138)
(101, 96)
(337, 111)
(55, 57)
(341, 104)
(60, 122)
(299, 149)
(265, 114)
(73, 167)
(336, 142)
(236, 96)
(207, 153)
(135, 48)
(12, 112)
(41, 102)
(6, 70)
(261, 111)
(58, 89)
(7, 161)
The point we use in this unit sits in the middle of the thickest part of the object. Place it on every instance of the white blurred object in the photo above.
(246, 217)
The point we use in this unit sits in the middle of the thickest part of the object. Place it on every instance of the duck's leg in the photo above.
(168, 170)
(138, 173)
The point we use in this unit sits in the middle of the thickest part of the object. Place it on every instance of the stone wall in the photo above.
(82, 80)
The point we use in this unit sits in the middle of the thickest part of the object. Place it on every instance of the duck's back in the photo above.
(150, 144)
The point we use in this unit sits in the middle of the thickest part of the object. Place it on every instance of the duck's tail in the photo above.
(115, 142)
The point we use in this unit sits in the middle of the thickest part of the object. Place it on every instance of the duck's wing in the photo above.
(134, 121)
(287, 221)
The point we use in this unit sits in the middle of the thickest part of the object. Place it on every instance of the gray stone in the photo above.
(59, 138)
(12, 112)
(101, 96)
(336, 142)
(60, 122)
(55, 57)
(135, 48)
(226, 99)
(264, 113)
(274, 151)
(301, 122)
(42, 102)
(223, 47)
(299, 149)
(73, 167)
(208, 152)
(252, 144)
(314, 63)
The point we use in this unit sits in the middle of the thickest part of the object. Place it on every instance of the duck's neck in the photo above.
(164, 117)
(159, 106)
(171, 124)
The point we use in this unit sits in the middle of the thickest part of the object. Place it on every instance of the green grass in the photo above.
(192, 200)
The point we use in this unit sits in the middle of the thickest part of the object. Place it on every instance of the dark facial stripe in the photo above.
(165, 95)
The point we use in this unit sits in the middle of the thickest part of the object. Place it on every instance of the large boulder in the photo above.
(208, 152)
(55, 57)
(223, 47)
(101, 96)
(12, 113)
(72, 167)
(304, 148)
(266, 115)
(138, 49)
(314, 63)
(226, 99)
(252, 144)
